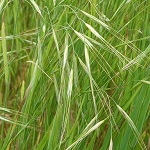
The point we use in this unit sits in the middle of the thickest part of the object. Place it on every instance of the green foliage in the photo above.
(74, 74)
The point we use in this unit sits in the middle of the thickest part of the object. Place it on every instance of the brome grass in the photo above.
(74, 74)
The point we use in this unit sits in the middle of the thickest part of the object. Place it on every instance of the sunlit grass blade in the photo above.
(70, 84)
(111, 144)
(57, 46)
(36, 7)
(4, 48)
(91, 82)
(82, 136)
(65, 52)
(1, 5)
(138, 59)
(97, 20)
(117, 53)
(132, 125)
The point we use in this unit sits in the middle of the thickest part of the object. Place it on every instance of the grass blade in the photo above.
(132, 125)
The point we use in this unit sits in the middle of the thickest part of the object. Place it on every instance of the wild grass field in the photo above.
(74, 74)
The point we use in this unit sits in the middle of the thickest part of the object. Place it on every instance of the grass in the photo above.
(74, 75)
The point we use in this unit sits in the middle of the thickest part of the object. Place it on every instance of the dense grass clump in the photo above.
(74, 74)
